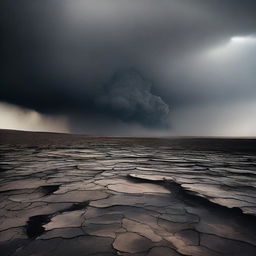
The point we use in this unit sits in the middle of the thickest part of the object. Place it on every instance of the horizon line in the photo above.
(131, 136)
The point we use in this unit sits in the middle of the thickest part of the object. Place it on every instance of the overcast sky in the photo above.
(129, 67)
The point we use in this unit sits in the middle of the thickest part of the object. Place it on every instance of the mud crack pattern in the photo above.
(114, 196)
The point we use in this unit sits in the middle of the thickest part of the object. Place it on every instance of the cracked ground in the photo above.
(79, 195)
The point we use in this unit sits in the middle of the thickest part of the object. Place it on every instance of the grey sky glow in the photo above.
(130, 67)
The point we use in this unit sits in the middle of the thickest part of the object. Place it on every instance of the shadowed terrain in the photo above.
(66, 194)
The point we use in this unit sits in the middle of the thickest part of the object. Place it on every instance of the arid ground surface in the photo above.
(78, 195)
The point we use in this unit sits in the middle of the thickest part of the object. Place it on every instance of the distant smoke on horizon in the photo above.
(128, 97)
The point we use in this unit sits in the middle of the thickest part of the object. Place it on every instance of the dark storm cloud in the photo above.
(128, 96)
(57, 56)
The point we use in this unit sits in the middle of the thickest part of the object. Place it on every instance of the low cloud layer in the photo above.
(14, 117)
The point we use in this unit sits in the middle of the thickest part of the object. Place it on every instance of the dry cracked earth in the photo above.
(74, 195)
